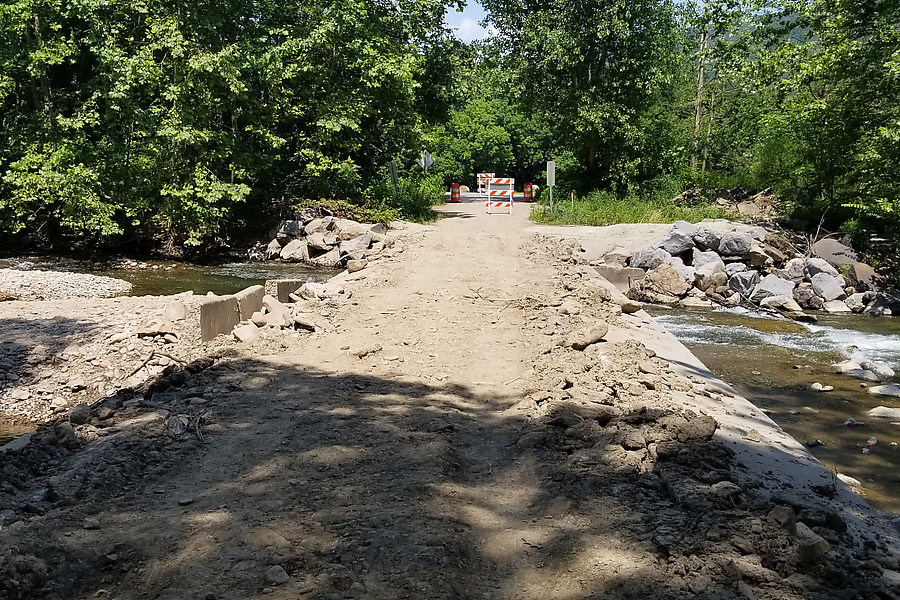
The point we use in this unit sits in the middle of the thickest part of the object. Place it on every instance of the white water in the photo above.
(832, 335)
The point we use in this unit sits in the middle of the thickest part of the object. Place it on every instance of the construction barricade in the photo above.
(526, 194)
(454, 193)
(482, 182)
(500, 199)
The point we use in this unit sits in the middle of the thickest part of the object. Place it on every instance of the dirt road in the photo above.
(444, 441)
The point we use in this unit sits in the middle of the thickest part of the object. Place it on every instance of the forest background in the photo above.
(179, 124)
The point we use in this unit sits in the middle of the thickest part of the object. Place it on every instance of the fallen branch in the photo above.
(142, 365)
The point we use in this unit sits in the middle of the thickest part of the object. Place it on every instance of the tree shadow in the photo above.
(304, 483)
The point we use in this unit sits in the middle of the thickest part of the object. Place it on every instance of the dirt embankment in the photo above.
(448, 439)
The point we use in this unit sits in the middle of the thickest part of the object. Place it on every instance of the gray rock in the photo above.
(781, 303)
(735, 244)
(758, 234)
(289, 229)
(861, 276)
(698, 259)
(772, 285)
(835, 306)
(650, 259)
(685, 227)
(295, 251)
(665, 280)
(316, 226)
(885, 412)
(879, 307)
(675, 242)
(891, 390)
(806, 297)
(813, 547)
(881, 369)
(735, 267)
(710, 276)
(582, 338)
(259, 318)
(856, 302)
(347, 230)
(273, 250)
(684, 271)
(80, 415)
(277, 575)
(707, 238)
(758, 257)
(828, 287)
(834, 252)
(356, 245)
(356, 265)
(329, 260)
(246, 333)
(154, 326)
(744, 282)
(795, 269)
(814, 266)
(321, 240)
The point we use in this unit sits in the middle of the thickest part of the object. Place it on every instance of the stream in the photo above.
(773, 362)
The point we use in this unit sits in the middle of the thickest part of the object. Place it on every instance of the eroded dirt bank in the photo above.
(442, 439)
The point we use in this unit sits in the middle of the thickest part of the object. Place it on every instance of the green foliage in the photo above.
(413, 199)
(364, 213)
(159, 118)
(605, 208)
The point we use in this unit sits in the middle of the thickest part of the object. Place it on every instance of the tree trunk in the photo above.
(709, 123)
(698, 102)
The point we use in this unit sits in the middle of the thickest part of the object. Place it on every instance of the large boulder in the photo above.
(686, 272)
(758, 257)
(348, 230)
(288, 230)
(806, 297)
(735, 267)
(785, 304)
(329, 260)
(357, 246)
(856, 302)
(698, 258)
(744, 282)
(735, 243)
(835, 306)
(675, 242)
(661, 285)
(772, 285)
(273, 250)
(318, 226)
(828, 287)
(649, 259)
(813, 266)
(861, 276)
(795, 269)
(295, 251)
(685, 227)
(710, 276)
(321, 240)
(834, 252)
(707, 238)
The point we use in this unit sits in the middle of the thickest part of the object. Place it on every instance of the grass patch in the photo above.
(603, 208)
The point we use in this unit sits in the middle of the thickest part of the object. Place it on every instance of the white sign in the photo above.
(551, 173)
(426, 160)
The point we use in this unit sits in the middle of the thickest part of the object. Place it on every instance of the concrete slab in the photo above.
(218, 314)
(249, 301)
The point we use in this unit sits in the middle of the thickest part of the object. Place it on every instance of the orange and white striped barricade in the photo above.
(526, 194)
(454, 193)
(482, 182)
(500, 199)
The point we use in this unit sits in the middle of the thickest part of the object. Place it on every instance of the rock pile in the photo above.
(326, 242)
(58, 285)
(698, 266)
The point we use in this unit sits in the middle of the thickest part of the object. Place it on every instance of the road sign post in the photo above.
(392, 166)
(551, 179)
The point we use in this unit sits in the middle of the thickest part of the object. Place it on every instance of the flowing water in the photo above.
(773, 362)
(154, 277)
